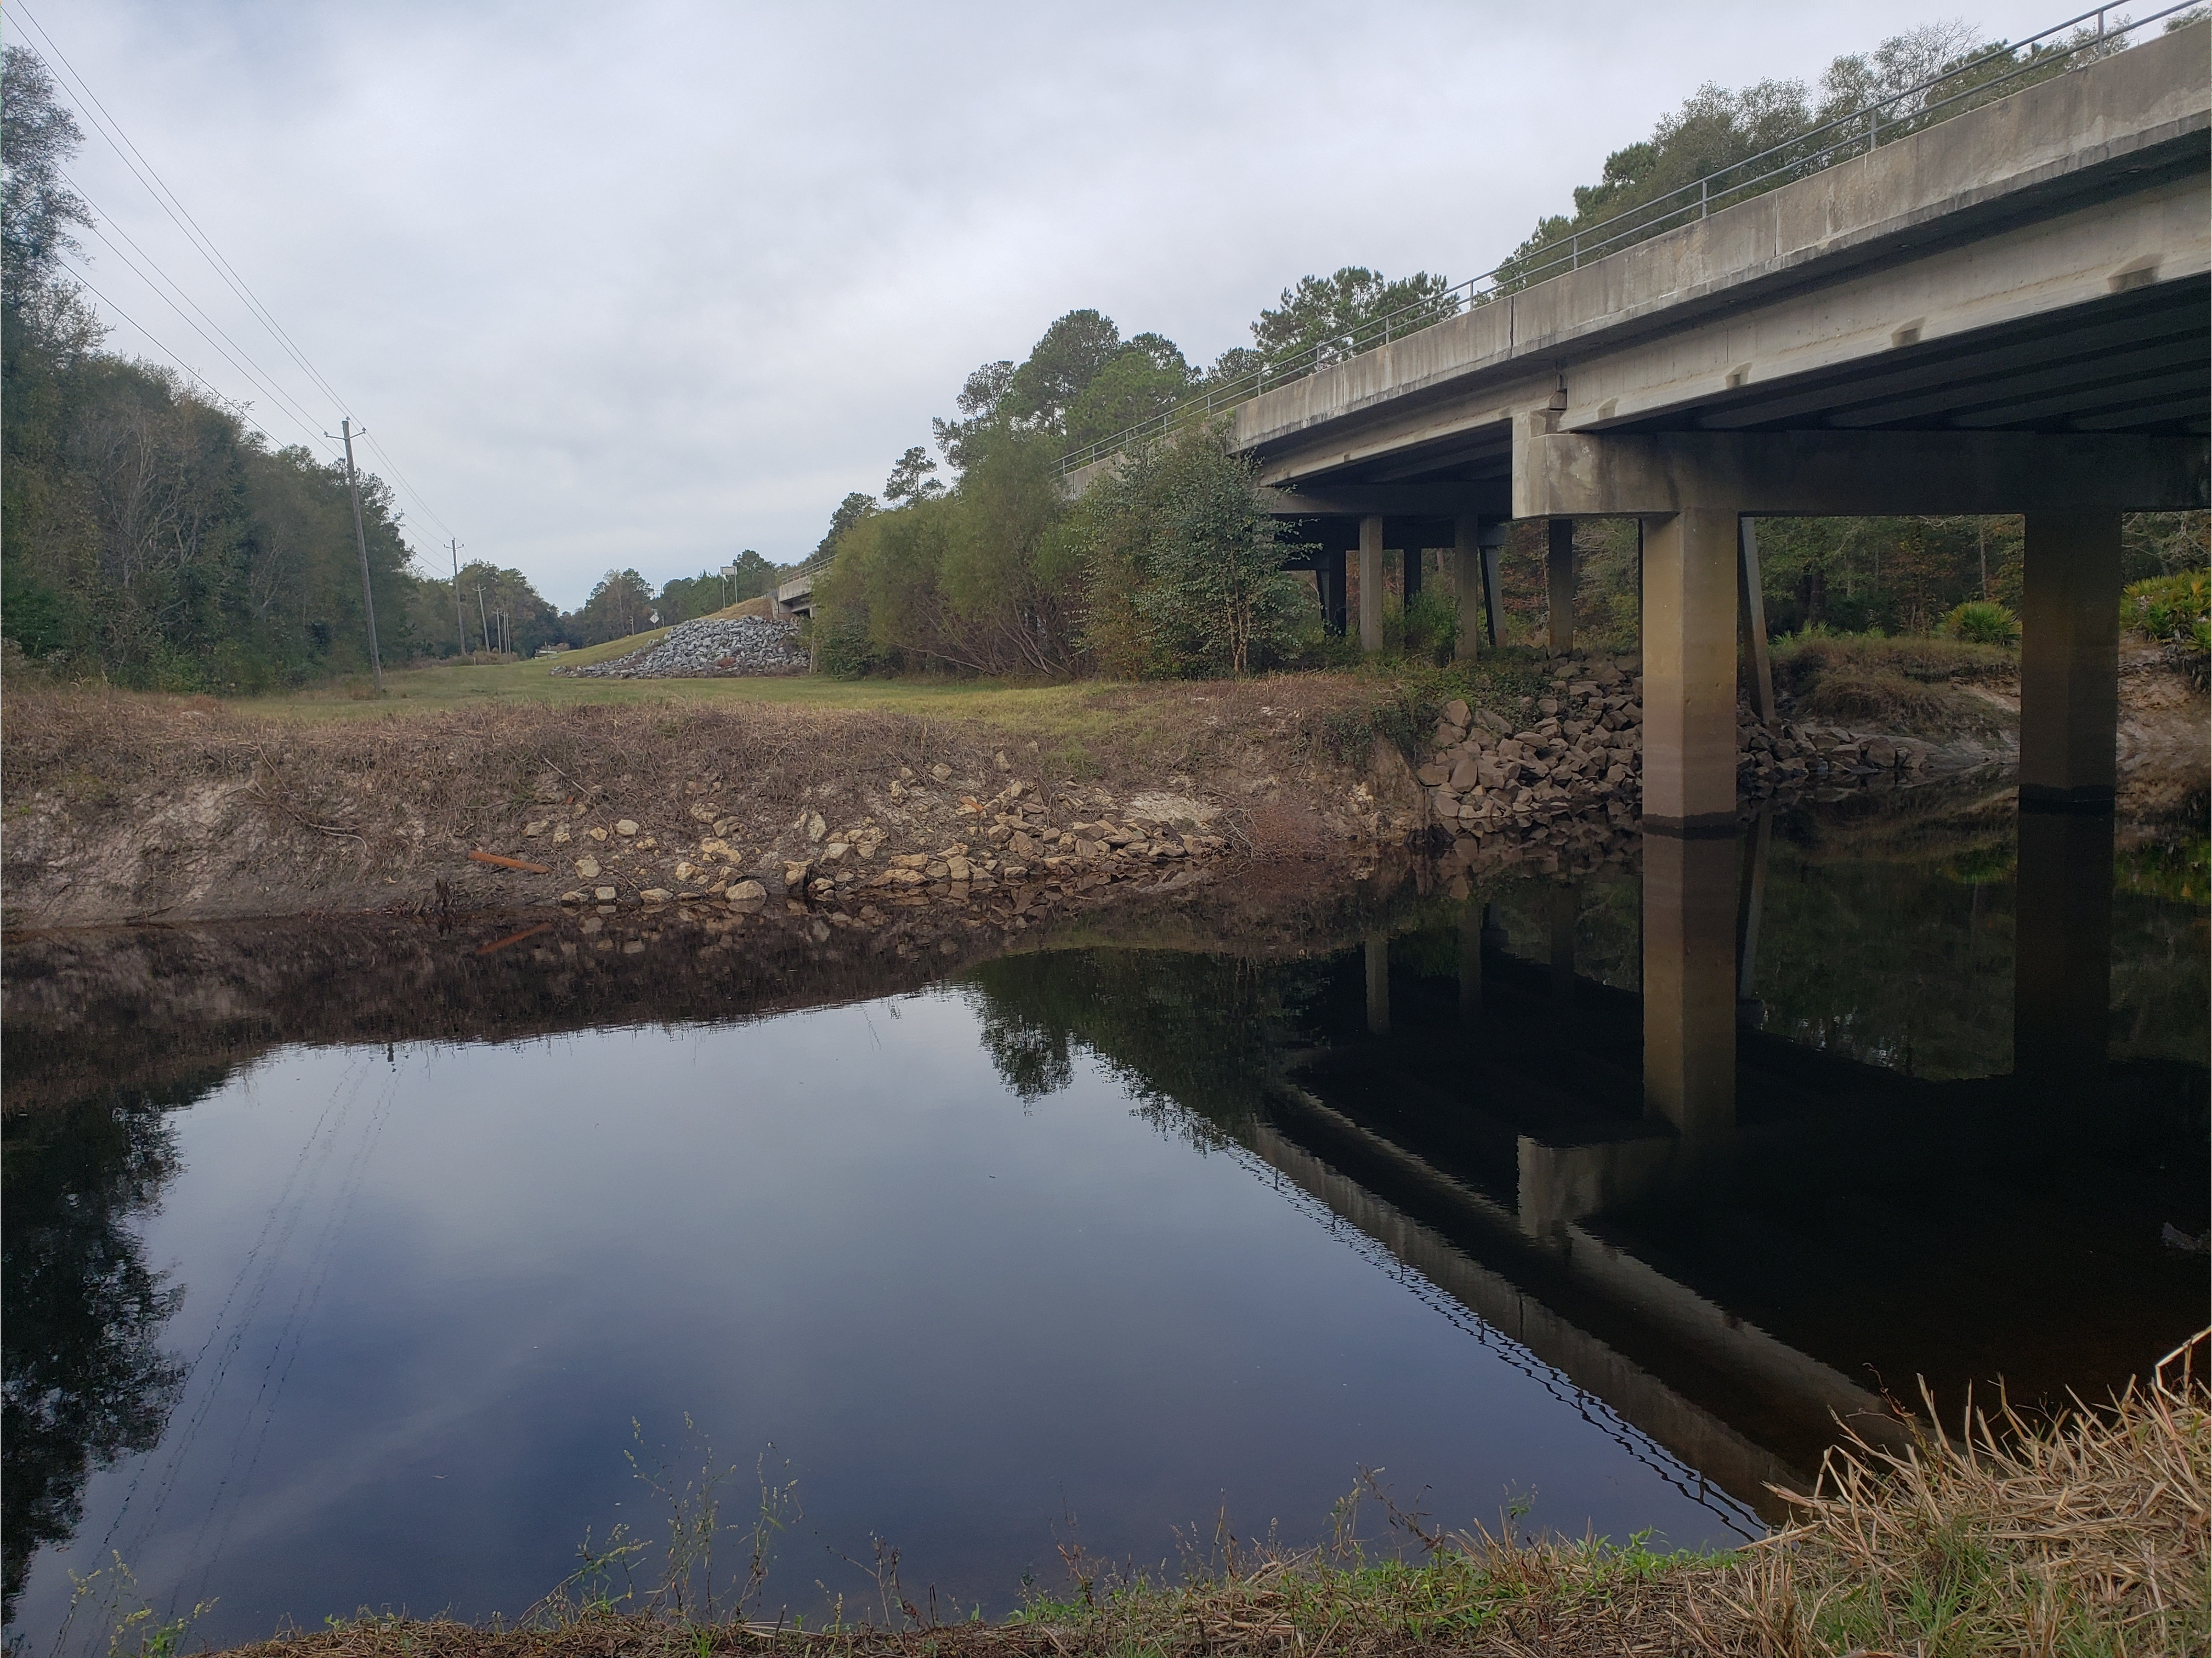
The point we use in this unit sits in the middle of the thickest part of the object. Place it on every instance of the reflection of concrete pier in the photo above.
(2062, 944)
(1581, 1165)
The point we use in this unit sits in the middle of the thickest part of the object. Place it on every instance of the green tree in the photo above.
(850, 510)
(1324, 319)
(977, 580)
(1063, 363)
(617, 608)
(146, 537)
(685, 597)
(1144, 380)
(38, 135)
(754, 576)
(978, 403)
(910, 480)
(1772, 132)
(1185, 565)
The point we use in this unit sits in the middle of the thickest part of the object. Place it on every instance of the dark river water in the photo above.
(1112, 1244)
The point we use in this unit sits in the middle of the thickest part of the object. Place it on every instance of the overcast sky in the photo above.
(647, 284)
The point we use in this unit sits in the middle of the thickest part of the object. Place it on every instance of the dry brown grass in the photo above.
(1903, 684)
(2086, 1534)
(1282, 830)
(2082, 1536)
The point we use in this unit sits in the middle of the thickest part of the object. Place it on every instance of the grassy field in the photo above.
(439, 686)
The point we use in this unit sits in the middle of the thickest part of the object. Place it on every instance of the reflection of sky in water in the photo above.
(428, 1297)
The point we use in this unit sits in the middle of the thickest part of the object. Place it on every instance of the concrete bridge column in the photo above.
(1559, 567)
(1371, 584)
(1410, 568)
(1690, 981)
(2069, 658)
(1329, 576)
(1467, 577)
(1690, 580)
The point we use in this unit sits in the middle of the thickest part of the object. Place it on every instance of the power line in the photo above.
(252, 371)
(233, 406)
(166, 199)
(384, 455)
(143, 170)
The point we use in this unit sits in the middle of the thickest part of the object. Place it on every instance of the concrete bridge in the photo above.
(2004, 314)
(796, 595)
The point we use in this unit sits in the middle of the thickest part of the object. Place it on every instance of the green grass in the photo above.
(441, 686)
(1069, 716)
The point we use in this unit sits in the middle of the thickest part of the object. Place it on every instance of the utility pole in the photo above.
(361, 541)
(484, 620)
(460, 626)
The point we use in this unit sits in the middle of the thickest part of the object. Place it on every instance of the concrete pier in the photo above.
(1559, 582)
(1370, 583)
(1467, 575)
(1689, 670)
(2069, 643)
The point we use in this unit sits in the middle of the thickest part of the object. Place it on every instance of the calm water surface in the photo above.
(1092, 1245)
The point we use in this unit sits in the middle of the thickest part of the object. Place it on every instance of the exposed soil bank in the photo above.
(131, 808)
(123, 808)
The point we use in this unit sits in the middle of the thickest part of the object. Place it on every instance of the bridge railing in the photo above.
(1962, 86)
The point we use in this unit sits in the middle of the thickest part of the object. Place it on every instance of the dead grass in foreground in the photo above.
(2082, 1535)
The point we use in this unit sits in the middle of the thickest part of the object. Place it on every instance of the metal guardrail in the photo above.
(1856, 134)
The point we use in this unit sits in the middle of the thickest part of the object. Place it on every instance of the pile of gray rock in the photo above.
(1580, 749)
(710, 649)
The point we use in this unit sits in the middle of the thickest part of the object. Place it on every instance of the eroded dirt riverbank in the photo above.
(126, 809)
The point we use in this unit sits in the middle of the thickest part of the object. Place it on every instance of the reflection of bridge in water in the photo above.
(1732, 1240)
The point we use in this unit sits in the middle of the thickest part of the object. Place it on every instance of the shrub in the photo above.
(1432, 625)
(1186, 572)
(1982, 622)
(2172, 609)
